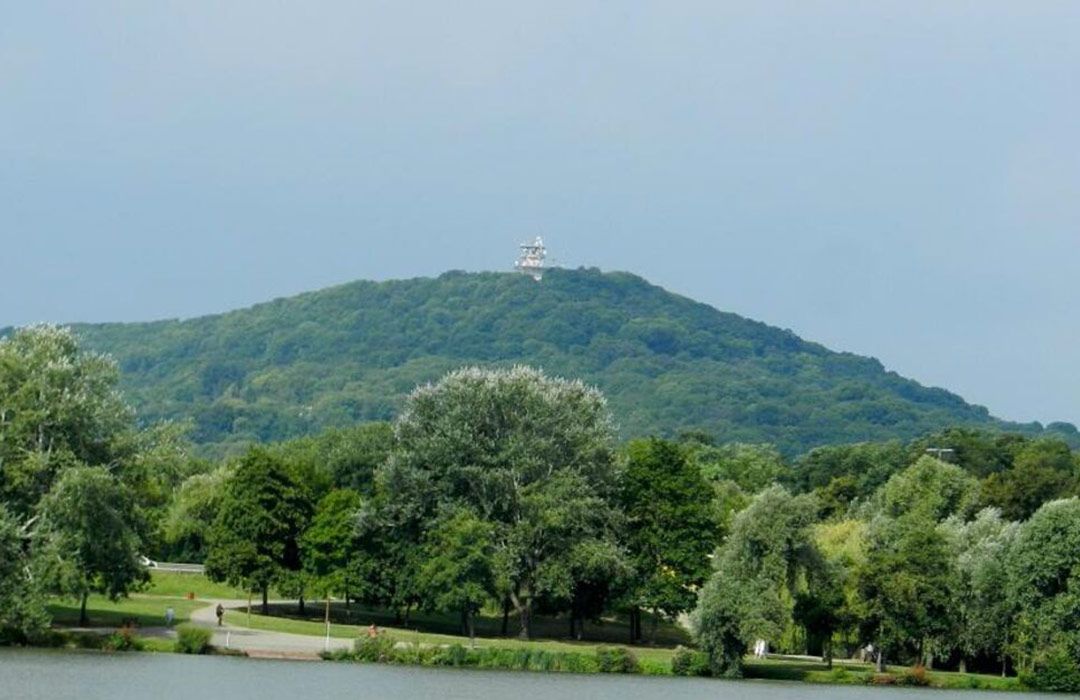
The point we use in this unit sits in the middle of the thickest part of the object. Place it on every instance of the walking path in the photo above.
(261, 642)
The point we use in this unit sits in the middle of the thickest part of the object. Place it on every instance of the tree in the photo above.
(929, 489)
(89, 535)
(671, 528)
(907, 586)
(752, 467)
(186, 525)
(22, 604)
(58, 408)
(1043, 470)
(985, 609)
(255, 540)
(751, 592)
(329, 544)
(529, 454)
(1044, 575)
(457, 573)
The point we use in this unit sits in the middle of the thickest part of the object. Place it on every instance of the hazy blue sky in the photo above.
(900, 179)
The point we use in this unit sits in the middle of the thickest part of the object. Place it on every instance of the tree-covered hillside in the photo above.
(350, 353)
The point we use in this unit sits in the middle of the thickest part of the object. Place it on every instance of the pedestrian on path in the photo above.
(170, 615)
(220, 610)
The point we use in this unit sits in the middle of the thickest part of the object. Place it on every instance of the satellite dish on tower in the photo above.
(531, 260)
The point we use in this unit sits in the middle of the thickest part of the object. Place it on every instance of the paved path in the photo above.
(260, 642)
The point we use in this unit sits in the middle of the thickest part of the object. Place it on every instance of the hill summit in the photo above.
(666, 363)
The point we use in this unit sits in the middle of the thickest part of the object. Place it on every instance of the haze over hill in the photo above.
(667, 363)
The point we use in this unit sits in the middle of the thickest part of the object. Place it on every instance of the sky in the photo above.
(896, 179)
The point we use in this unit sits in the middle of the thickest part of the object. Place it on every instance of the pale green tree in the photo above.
(752, 592)
(531, 455)
(87, 536)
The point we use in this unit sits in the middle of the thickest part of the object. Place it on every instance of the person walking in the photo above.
(220, 610)
(170, 615)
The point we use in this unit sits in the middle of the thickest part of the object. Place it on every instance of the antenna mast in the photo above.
(531, 260)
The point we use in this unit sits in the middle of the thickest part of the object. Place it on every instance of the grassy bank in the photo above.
(142, 611)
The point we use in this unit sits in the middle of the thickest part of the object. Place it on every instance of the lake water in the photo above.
(59, 675)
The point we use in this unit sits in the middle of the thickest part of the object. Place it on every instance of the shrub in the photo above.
(689, 662)
(881, 679)
(378, 649)
(914, 676)
(617, 660)
(123, 639)
(1056, 670)
(192, 640)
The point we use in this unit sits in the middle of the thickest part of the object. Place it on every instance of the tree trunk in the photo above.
(506, 616)
(266, 600)
(525, 615)
(83, 620)
(963, 665)
(464, 621)
(653, 626)
(300, 605)
(880, 662)
(408, 612)
(470, 626)
(827, 648)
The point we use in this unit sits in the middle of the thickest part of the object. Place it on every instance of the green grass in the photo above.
(312, 627)
(102, 612)
(853, 673)
(178, 585)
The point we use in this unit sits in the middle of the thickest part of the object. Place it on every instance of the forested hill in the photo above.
(350, 353)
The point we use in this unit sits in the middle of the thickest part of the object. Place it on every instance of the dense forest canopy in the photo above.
(351, 353)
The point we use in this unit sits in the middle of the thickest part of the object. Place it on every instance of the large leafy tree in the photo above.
(1043, 470)
(985, 609)
(671, 528)
(329, 545)
(87, 536)
(529, 454)
(255, 540)
(907, 586)
(58, 408)
(930, 489)
(457, 573)
(752, 592)
(1044, 572)
(22, 605)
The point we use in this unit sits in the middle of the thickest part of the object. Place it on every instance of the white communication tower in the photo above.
(531, 260)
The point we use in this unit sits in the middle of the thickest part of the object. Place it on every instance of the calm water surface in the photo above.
(49, 675)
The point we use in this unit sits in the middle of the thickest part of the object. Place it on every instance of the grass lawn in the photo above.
(293, 625)
(178, 585)
(145, 611)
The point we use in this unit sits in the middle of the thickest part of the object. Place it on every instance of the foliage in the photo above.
(907, 585)
(1044, 574)
(192, 639)
(329, 544)
(529, 454)
(617, 660)
(22, 610)
(929, 489)
(123, 639)
(186, 524)
(58, 407)
(87, 536)
(689, 662)
(1055, 670)
(750, 594)
(255, 540)
(670, 525)
(351, 353)
(457, 571)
